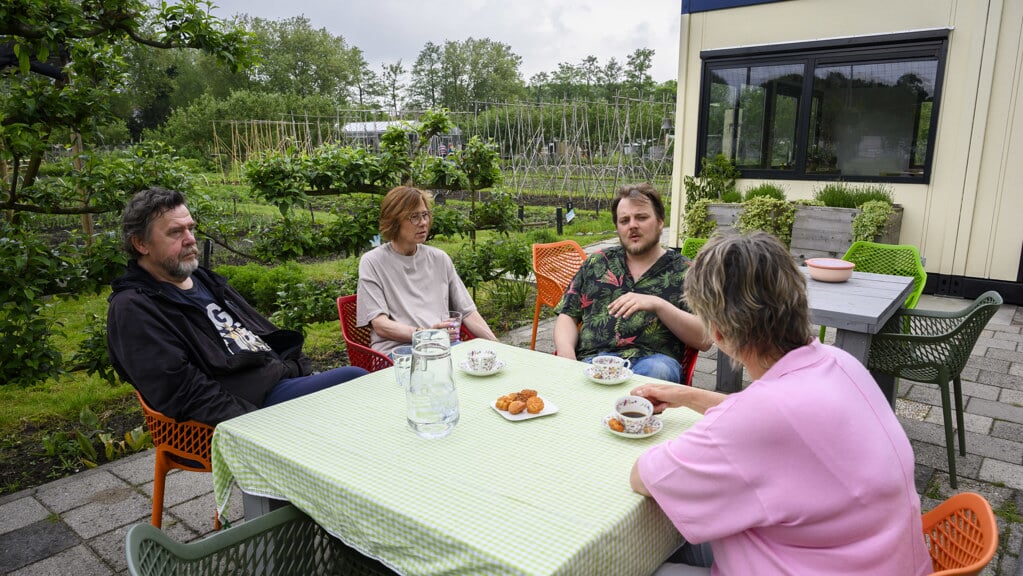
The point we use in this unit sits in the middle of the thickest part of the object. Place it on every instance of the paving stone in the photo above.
(977, 390)
(1003, 472)
(136, 469)
(972, 422)
(989, 364)
(71, 491)
(998, 448)
(1001, 379)
(1009, 354)
(181, 486)
(116, 508)
(998, 410)
(924, 393)
(1007, 430)
(1014, 397)
(1016, 369)
(110, 548)
(79, 561)
(909, 409)
(35, 542)
(20, 513)
(990, 344)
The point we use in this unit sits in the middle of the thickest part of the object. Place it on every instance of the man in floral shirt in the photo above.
(629, 298)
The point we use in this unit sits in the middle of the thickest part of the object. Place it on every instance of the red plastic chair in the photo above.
(554, 266)
(357, 338)
(182, 445)
(961, 535)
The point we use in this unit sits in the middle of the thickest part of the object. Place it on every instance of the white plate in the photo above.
(591, 373)
(464, 367)
(548, 408)
(653, 427)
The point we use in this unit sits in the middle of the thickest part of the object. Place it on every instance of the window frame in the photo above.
(928, 45)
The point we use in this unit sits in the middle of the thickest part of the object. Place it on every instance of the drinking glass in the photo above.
(402, 356)
(455, 321)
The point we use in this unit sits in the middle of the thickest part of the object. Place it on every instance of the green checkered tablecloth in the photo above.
(543, 496)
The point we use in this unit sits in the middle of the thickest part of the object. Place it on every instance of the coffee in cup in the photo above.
(633, 412)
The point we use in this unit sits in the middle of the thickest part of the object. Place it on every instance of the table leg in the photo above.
(254, 506)
(858, 344)
(729, 380)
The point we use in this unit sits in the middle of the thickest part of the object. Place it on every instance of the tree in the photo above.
(64, 61)
(296, 59)
(611, 78)
(391, 75)
(637, 70)
(366, 85)
(459, 73)
(426, 77)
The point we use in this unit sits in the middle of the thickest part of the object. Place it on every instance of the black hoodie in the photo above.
(175, 357)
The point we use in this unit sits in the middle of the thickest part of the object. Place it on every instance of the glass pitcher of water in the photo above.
(431, 402)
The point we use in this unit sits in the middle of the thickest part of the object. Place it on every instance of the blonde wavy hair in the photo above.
(750, 289)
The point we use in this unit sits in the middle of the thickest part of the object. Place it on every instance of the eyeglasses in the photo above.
(417, 217)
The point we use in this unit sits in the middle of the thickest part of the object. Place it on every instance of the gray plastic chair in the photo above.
(284, 542)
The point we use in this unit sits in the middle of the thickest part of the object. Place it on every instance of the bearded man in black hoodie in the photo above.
(187, 341)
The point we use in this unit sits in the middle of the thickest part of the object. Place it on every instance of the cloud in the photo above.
(543, 32)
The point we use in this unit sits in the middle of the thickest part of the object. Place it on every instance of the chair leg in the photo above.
(946, 415)
(957, 387)
(159, 482)
(824, 330)
(536, 322)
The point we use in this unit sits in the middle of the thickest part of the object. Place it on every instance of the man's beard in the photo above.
(179, 269)
(640, 249)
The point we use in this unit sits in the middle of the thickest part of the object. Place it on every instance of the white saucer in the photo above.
(464, 367)
(591, 373)
(654, 426)
(548, 408)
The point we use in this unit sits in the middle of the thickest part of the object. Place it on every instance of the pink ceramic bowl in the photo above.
(830, 269)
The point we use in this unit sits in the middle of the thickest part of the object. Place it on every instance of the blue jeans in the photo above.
(290, 388)
(660, 366)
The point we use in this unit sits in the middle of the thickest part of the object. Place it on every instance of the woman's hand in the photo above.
(661, 395)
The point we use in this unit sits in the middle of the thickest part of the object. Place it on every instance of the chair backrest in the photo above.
(961, 534)
(346, 314)
(691, 246)
(924, 344)
(894, 259)
(189, 440)
(280, 543)
(554, 266)
(357, 338)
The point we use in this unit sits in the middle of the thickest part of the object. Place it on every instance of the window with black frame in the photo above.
(825, 112)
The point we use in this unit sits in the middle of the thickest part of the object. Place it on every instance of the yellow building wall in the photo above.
(969, 220)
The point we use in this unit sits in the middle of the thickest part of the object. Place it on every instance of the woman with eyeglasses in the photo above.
(405, 285)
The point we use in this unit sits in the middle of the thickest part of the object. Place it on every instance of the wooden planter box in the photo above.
(818, 231)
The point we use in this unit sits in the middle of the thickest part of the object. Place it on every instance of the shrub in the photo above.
(696, 223)
(843, 195)
(716, 180)
(872, 220)
(770, 215)
(260, 284)
(766, 189)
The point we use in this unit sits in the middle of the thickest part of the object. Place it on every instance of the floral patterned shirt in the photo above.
(603, 278)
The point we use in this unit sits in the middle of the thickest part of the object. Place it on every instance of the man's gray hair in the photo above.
(143, 208)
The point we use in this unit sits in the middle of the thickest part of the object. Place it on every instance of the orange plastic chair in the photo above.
(554, 266)
(961, 534)
(182, 445)
(357, 338)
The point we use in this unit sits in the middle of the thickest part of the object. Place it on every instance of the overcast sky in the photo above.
(542, 32)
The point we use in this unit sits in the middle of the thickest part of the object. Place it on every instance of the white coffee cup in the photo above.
(481, 360)
(610, 367)
(633, 412)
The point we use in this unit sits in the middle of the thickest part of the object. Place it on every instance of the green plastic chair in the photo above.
(932, 346)
(690, 246)
(284, 542)
(894, 259)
